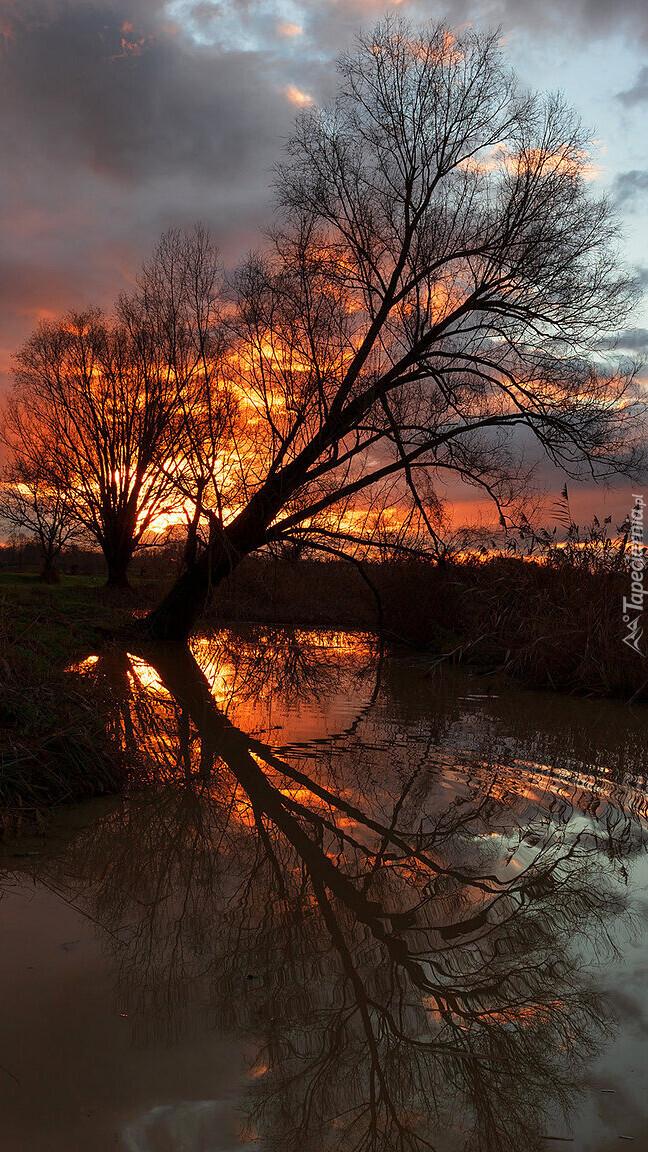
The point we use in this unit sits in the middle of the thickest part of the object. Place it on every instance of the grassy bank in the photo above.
(53, 742)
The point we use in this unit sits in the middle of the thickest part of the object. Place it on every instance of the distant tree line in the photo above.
(22, 553)
(438, 290)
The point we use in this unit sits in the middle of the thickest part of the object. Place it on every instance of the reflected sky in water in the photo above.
(347, 903)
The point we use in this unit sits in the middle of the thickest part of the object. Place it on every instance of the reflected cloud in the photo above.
(189, 1126)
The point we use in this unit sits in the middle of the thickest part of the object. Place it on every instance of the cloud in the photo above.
(120, 118)
(299, 99)
(115, 124)
(632, 340)
(638, 93)
(133, 105)
(629, 187)
(590, 18)
(287, 29)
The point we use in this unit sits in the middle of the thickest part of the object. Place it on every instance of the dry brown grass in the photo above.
(556, 627)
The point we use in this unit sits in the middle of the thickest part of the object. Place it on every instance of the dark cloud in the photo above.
(591, 18)
(635, 339)
(133, 102)
(638, 93)
(632, 340)
(120, 118)
(115, 125)
(629, 187)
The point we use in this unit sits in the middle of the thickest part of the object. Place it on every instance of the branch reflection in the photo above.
(408, 949)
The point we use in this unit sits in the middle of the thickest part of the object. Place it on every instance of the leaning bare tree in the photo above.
(438, 281)
(102, 404)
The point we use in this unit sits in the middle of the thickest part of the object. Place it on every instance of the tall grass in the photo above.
(551, 621)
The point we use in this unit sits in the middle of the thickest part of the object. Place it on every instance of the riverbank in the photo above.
(54, 747)
(543, 628)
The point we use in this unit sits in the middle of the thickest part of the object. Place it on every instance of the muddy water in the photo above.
(345, 903)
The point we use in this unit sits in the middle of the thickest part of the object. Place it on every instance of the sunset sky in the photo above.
(121, 118)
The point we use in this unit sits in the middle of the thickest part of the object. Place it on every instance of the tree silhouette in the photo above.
(439, 289)
(434, 288)
(32, 501)
(104, 407)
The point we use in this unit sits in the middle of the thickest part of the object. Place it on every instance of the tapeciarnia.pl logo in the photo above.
(633, 607)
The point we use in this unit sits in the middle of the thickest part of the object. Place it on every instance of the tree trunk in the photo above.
(48, 574)
(118, 574)
(117, 546)
(175, 618)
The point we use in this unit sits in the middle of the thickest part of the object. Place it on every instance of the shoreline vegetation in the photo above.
(538, 626)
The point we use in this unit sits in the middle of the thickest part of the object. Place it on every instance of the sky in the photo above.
(122, 118)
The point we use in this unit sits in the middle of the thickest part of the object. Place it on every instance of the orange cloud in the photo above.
(7, 32)
(539, 161)
(288, 29)
(299, 99)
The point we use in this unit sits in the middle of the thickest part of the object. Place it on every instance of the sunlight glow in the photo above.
(299, 99)
(288, 29)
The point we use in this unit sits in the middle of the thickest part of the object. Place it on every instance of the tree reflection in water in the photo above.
(408, 948)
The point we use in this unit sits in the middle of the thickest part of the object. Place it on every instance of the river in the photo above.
(347, 901)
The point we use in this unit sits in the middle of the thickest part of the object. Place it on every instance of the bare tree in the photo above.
(183, 292)
(436, 288)
(101, 403)
(30, 503)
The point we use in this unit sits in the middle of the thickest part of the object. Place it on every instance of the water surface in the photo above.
(346, 903)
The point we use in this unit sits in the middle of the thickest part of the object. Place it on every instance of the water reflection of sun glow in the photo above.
(144, 676)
